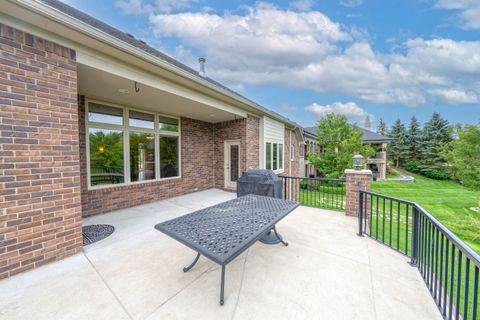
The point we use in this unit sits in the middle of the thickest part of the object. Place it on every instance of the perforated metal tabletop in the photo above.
(225, 230)
(221, 232)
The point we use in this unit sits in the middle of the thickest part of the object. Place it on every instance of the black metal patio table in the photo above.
(224, 231)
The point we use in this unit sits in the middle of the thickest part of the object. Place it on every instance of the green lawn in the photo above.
(393, 175)
(448, 202)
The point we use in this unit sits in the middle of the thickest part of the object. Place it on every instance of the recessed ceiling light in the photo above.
(123, 91)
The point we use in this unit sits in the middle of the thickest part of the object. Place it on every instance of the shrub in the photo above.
(303, 184)
(413, 166)
(437, 174)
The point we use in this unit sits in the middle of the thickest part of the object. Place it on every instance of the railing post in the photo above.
(414, 260)
(360, 213)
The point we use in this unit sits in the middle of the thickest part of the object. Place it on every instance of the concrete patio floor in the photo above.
(326, 272)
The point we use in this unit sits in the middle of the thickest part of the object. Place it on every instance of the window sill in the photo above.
(135, 183)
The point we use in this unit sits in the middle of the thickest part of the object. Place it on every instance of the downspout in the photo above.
(290, 156)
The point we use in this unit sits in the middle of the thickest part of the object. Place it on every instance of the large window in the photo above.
(274, 156)
(129, 146)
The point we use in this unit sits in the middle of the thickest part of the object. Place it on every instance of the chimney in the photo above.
(201, 61)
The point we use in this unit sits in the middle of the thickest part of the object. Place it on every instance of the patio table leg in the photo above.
(276, 234)
(186, 269)
(222, 286)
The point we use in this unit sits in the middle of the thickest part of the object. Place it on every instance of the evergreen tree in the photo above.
(382, 127)
(399, 145)
(414, 134)
(436, 132)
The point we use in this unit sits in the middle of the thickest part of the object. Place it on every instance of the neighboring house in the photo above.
(377, 164)
(93, 120)
(311, 146)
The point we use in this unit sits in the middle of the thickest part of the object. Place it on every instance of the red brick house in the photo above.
(93, 120)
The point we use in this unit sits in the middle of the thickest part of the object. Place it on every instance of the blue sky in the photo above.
(305, 58)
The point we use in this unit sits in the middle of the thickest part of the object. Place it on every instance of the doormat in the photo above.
(96, 232)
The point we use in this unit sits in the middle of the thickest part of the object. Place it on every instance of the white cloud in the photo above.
(159, 6)
(351, 110)
(302, 5)
(133, 6)
(453, 96)
(288, 108)
(468, 11)
(351, 3)
(307, 50)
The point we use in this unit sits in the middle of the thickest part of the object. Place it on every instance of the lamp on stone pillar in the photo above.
(358, 162)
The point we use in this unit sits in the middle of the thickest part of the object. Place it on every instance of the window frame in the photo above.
(292, 152)
(280, 167)
(126, 129)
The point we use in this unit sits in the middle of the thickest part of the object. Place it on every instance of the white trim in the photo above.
(126, 129)
(226, 159)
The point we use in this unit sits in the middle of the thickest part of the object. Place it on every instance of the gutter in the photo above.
(75, 24)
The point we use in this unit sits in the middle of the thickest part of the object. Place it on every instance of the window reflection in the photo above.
(168, 156)
(142, 156)
(106, 156)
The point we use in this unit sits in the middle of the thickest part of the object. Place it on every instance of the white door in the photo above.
(232, 164)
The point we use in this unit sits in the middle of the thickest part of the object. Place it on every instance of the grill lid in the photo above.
(259, 176)
(260, 182)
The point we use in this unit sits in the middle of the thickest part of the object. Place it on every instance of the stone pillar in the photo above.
(356, 180)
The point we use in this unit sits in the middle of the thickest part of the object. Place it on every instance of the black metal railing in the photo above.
(315, 192)
(449, 267)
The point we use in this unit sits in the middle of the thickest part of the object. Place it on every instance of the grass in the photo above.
(447, 201)
(320, 194)
(393, 175)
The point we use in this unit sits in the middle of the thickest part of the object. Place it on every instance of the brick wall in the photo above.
(355, 180)
(295, 167)
(228, 130)
(253, 142)
(197, 172)
(292, 168)
(40, 212)
(202, 157)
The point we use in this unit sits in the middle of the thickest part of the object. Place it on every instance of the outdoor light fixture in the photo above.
(101, 149)
(358, 161)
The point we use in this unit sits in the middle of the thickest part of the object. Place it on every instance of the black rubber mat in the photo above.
(96, 232)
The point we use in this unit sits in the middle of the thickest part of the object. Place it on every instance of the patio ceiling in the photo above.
(101, 85)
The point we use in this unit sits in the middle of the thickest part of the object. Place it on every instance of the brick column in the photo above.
(40, 211)
(356, 180)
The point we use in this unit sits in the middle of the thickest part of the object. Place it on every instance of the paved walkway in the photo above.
(327, 272)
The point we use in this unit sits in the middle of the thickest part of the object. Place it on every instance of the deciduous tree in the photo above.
(340, 141)
(463, 155)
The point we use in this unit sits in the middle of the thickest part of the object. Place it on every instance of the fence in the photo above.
(449, 267)
(315, 192)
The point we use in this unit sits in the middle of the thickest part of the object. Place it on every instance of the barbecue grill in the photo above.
(262, 182)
